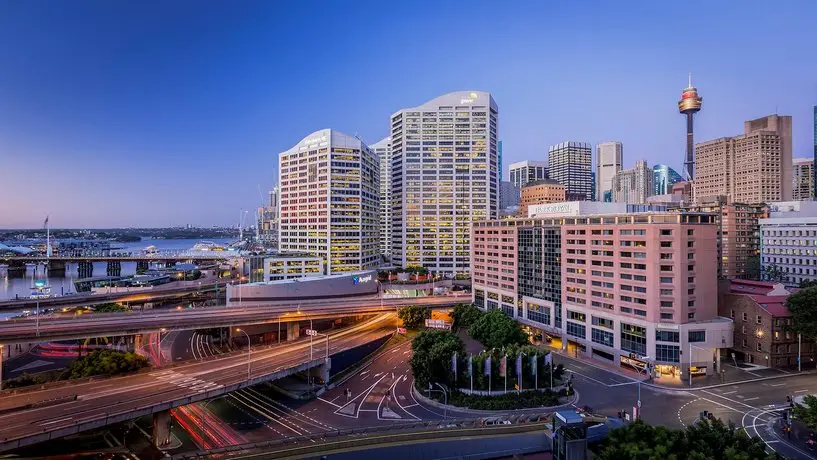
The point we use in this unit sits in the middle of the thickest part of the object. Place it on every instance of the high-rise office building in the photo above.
(267, 224)
(663, 178)
(609, 158)
(814, 180)
(754, 167)
(508, 195)
(383, 151)
(738, 236)
(329, 187)
(570, 164)
(444, 175)
(787, 237)
(633, 185)
(526, 171)
(802, 179)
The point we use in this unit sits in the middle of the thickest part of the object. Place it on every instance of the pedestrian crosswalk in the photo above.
(185, 381)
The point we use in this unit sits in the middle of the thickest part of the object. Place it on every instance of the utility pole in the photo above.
(799, 365)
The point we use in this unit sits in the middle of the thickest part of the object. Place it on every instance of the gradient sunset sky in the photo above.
(159, 113)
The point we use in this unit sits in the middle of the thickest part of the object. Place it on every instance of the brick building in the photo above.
(761, 319)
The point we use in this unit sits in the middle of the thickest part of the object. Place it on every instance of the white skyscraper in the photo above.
(445, 174)
(633, 185)
(329, 187)
(609, 158)
(526, 171)
(383, 151)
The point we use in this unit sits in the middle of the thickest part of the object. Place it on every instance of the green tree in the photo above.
(464, 315)
(703, 440)
(774, 273)
(431, 361)
(110, 307)
(753, 267)
(414, 316)
(106, 362)
(807, 412)
(803, 308)
(807, 284)
(496, 330)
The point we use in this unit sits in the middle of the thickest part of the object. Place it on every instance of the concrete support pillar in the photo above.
(293, 331)
(114, 268)
(141, 266)
(138, 342)
(323, 370)
(162, 424)
(85, 269)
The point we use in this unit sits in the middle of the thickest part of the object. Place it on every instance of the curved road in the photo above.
(129, 323)
(104, 402)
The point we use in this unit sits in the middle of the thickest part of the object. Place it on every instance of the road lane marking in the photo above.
(330, 402)
(622, 384)
(801, 391)
(729, 392)
(752, 399)
(588, 378)
(777, 384)
(56, 421)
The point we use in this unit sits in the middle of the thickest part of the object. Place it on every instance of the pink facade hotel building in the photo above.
(635, 287)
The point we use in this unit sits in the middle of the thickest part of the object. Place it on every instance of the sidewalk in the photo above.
(732, 375)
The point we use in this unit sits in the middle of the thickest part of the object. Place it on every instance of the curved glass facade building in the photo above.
(663, 178)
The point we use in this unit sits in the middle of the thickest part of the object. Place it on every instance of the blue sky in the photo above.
(168, 113)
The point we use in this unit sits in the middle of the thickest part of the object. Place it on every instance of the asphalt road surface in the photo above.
(97, 400)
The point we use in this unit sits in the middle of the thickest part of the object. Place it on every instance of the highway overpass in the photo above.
(26, 330)
(67, 409)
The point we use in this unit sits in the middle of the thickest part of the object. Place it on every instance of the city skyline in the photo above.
(134, 125)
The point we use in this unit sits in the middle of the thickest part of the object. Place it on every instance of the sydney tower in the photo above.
(689, 105)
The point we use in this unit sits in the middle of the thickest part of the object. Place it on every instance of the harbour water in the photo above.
(18, 283)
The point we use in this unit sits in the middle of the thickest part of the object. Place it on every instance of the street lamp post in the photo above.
(249, 351)
(445, 397)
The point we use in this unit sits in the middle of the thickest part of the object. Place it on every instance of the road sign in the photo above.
(639, 404)
(311, 332)
(401, 330)
(437, 324)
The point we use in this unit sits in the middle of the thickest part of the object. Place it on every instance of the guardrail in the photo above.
(373, 435)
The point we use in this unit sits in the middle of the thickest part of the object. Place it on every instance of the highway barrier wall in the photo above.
(349, 357)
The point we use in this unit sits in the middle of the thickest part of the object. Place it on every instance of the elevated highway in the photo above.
(132, 323)
(28, 418)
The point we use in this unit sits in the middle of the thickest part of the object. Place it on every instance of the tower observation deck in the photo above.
(689, 105)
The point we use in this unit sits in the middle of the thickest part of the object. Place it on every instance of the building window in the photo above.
(634, 339)
(603, 322)
(732, 314)
(697, 336)
(666, 316)
(576, 316)
(667, 336)
(576, 330)
(539, 313)
(759, 347)
(759, 319)
(666, 232)
(745, 316)
(666, 304)
(668, 353)
(602, 337)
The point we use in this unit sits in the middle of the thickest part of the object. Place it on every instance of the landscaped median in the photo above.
(508, 374)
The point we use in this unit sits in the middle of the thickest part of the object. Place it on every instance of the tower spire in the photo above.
(690, 80)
